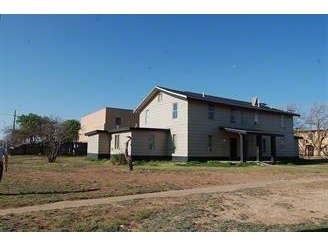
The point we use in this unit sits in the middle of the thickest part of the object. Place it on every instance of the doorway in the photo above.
(233, 149)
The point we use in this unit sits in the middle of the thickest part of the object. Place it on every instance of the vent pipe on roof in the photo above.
(203, 94)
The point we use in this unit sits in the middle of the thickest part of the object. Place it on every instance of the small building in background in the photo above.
(95, 127)
(312, 143)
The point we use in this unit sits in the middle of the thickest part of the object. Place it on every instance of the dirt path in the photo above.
(172, 193)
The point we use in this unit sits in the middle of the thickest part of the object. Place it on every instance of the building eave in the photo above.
(95, 132)
(151, 95)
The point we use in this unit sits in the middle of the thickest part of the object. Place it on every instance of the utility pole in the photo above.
(14, 122)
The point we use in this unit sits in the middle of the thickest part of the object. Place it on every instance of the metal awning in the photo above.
(249, 131)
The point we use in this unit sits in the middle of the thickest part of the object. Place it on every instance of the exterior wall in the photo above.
(91, 122)
(122, 142)
(139, 147)
(98, 145)
(308, 138)
(104, 142)
(200, 127)
(128, 118)
(104, 119)
(140, 144)
(160, 116)
(93, 143)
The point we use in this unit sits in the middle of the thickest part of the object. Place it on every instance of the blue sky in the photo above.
(70, 65)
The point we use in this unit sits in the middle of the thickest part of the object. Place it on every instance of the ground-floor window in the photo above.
(209, 142)
(151, 142)
(309, 150)
(117, 142)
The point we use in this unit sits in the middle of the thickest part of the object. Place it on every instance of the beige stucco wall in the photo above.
(91, 122)
(160, 116)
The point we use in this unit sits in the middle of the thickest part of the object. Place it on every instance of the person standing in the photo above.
(3, 160)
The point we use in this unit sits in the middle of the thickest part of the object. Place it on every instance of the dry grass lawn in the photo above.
(285, 207)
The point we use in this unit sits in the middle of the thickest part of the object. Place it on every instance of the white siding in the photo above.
(200, 127)
(160, 116)
(122, 143)
(93, 143)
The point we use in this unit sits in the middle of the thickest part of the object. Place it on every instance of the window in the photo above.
(118, 122)
(174, 142)
(264, 145)
(209, 142)
(117, 142)
(309, 150)
(282, 121)
(244, 118)
(151, 142)
(175, 111)
(147, 116)
(256, 119)
(282, 143)
(160, 97)
(211, 110)
(232, 116)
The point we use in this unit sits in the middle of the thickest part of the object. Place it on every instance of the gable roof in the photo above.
(209, 99)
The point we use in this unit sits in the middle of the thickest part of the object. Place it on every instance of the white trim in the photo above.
(170, 92)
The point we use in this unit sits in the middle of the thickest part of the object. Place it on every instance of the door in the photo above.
(233, 149)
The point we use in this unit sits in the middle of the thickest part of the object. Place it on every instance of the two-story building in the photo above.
(183, 126)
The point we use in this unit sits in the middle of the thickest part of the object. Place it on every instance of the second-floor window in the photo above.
(175, 110)
(256, 119)
(244, 118)
(147, 116)
(118, 122)
(282, 121)
(117, 142)
(211, 111)
(232, 116)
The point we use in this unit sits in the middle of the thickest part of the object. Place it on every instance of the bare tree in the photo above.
(53, 133)
(317, 124)
(298, 121)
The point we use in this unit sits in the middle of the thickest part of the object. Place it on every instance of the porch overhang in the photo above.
(249, 131)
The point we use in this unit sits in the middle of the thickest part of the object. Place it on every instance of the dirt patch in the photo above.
(177, 199)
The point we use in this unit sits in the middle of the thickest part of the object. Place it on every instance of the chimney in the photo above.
(254, 101)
